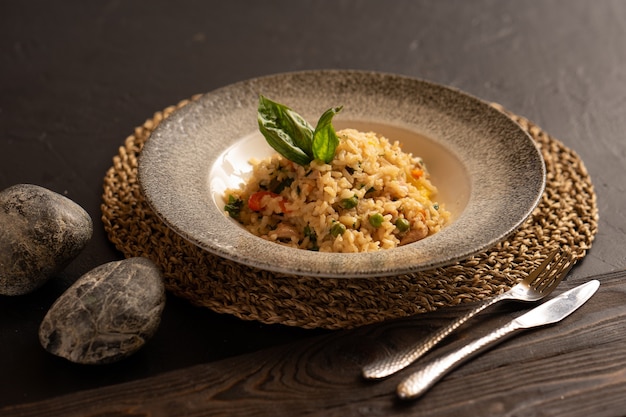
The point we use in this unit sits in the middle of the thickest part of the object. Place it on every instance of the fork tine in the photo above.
(555, 274)
(540, 269)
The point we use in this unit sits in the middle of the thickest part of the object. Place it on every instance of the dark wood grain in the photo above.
(537, 372)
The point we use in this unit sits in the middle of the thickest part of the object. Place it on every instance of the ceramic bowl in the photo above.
(488, 170)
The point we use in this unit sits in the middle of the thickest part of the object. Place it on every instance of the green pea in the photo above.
(403, 224)
(351, 202)
(376, 219)
(337, 229)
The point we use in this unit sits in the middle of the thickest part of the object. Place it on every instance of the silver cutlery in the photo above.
(536, 286)
(551, 311)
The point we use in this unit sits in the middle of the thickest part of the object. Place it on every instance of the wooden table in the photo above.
(76, 77)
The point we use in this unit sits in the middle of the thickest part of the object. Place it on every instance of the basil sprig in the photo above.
(293, 137)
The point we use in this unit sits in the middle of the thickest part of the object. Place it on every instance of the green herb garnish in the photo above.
(233, 207)
(277, 186)
(293, 137)
(310, 233)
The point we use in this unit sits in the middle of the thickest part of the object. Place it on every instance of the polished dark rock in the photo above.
(107, 314)
(40, 233)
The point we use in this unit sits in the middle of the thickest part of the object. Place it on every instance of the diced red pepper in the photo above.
(256, 204)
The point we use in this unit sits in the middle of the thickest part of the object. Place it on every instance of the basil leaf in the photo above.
(325, 140)
(285, 130)
(283, 144)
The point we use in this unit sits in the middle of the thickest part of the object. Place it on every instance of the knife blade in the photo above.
(551, 311)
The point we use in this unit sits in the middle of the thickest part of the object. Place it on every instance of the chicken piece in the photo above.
(285, 231)
(418, 232)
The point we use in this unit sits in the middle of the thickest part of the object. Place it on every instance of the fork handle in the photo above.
(393, 363)
(420, 381)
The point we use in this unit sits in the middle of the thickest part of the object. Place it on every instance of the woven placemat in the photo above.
(566, 216)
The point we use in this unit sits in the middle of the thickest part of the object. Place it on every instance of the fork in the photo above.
(538, 284)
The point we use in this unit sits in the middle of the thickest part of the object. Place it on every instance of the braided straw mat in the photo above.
(566, 216)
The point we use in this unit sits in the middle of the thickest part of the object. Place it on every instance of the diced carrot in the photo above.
(417, 173)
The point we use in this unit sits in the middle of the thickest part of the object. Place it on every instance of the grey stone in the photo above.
(40, 233)
(107, 314)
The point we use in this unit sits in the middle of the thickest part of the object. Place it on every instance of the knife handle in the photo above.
(419, 382)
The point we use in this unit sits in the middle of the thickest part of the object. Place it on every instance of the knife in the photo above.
(549, 312)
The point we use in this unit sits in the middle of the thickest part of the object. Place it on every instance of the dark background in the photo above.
(76, 77)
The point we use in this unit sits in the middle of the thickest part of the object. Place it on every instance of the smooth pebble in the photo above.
(107, 314)
(40, 233)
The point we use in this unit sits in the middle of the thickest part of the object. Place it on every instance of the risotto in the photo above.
(371, 196)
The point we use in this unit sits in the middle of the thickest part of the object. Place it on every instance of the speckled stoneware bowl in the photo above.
(489, 173)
